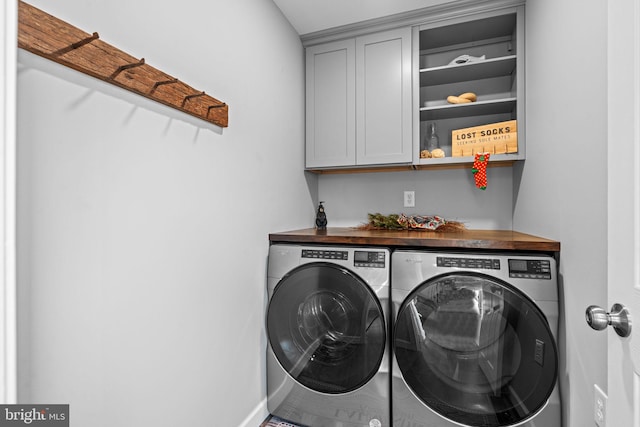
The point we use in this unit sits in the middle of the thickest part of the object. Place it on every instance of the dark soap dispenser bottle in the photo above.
(321, 218)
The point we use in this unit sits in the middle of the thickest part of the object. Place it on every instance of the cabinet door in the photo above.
(330, 114)
(383, 97)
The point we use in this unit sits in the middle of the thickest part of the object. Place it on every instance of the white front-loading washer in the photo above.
(474, 340)
(328, 350)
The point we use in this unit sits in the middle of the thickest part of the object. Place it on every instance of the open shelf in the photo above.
(479, 108)
(452, 161)
(488, 68)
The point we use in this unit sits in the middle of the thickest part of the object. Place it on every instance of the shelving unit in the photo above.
(497, 79)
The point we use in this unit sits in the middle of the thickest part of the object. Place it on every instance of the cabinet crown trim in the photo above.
(425, 15)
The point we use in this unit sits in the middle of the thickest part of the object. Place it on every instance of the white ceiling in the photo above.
(308, 16)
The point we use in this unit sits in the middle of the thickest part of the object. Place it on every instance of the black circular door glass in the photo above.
(475, 350)
(326, 328)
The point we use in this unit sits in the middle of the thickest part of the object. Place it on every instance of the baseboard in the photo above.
(257, 416)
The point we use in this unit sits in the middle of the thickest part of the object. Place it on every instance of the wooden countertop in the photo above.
(469, 239)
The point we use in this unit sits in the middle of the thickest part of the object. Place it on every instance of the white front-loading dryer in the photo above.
(328, 350)
(474, 340)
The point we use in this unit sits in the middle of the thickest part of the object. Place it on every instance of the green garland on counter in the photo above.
(379, 221)
(384, 222)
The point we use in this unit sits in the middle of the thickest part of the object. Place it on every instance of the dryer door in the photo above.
(475, 350)
(326, 328)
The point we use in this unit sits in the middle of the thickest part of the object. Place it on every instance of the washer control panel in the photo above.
(371, 259)
(530, 269)
(323, 254)
(484, 263)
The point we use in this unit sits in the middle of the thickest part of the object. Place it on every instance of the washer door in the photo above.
(475, 350)
(326, 328)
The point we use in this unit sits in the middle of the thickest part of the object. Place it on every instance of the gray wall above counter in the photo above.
(448, 193)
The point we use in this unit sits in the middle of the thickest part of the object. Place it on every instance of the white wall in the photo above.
(143, 233)
(562, 188)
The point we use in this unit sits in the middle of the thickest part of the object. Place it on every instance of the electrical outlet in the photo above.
(599, 406)
(409, 199)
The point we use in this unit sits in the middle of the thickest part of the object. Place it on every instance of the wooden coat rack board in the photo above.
(54, 39)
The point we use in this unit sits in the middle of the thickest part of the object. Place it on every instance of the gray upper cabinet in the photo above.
(359, 101)
(373, 90)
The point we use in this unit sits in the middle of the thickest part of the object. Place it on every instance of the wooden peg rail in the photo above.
(54, 39)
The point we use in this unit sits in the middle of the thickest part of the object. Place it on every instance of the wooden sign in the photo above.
(494, 138)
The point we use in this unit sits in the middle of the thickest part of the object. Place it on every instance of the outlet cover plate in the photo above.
(599, 406)
(409, 199)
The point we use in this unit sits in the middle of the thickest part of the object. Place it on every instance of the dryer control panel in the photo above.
(518, 268)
